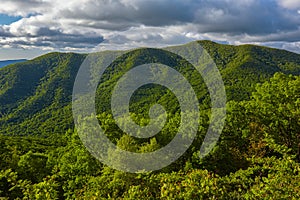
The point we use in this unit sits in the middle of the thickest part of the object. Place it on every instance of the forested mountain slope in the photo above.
(36, 94)
(257, 155)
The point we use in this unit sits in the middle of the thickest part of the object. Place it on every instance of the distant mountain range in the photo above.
(35, 96)
(4, 63)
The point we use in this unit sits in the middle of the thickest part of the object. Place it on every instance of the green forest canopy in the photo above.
(257, 155)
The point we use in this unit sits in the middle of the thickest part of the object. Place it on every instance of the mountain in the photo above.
(4, 63)
(35, 96)
(257, 155)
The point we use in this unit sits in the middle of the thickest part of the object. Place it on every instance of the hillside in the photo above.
(35, 89)
(257, 155)
(36, 94)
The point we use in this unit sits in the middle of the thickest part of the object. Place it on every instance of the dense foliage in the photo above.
(257, 155)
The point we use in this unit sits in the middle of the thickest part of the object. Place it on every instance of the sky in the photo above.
(29, 28)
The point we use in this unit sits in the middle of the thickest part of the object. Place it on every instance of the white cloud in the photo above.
(290, 4)
(82, 24)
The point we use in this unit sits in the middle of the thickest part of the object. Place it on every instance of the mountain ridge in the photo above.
(36, 94)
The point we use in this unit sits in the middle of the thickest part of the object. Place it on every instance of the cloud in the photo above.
(39, 31)
(82, 24)
(289, 4)
(24, 7)
(125, 14)
(255, 18)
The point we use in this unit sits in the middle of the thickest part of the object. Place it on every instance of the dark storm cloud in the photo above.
(23, 7)
(228, 16)
(45, 37)
(258, 17)
(61, 23)
(124, 14)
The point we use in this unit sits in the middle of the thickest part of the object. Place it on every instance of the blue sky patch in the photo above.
(5, 19)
